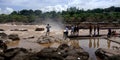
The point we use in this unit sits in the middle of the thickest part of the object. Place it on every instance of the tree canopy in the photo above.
(73, 14)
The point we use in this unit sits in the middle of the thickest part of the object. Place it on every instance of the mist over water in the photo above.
(56, 24)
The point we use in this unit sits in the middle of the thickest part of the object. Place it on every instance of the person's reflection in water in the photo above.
(94, 43)
(90, 43)
(109, 43)
(98, 43)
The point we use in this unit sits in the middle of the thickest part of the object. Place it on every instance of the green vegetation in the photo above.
(111, 14)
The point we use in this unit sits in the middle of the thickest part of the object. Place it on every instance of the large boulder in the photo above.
(63, 52)
(49, 53)
(107, 54)
(74, 53)
(15, 54)
(3, 35)
(47, 39)
(3, 46)
(13, 37)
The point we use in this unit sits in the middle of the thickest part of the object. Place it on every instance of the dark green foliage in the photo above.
(73, 14)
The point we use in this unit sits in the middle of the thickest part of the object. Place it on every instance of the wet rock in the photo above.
(14, 30)
(47, 39)
(1, 58)
(74, 53)
(78, 53)
(63, 47)
(31, 37)
(39, 29)
(48, 50)
(3, 46)
(63, 52)
(2, 30)
(115, 57)
(13, 37)
(107, 54)
(19, 30)
(71, 58)
(3, 35)
(32, 56)
(49, 53)
(23, 30)
(15, 54)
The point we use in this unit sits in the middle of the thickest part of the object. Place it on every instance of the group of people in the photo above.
(95, 28)
(74, 31)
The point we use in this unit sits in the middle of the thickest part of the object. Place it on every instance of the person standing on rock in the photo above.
(48, 29)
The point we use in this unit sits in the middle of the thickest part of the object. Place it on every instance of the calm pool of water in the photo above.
(91, 45)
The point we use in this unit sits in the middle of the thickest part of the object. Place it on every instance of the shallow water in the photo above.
(89, 45)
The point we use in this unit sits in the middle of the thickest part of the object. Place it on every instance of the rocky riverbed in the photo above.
(30, 43)
(63, 52)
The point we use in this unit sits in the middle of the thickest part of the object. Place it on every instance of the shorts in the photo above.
(48, 30)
